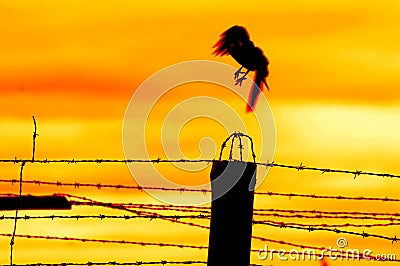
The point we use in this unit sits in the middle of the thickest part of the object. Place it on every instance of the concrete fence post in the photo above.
(232, 184)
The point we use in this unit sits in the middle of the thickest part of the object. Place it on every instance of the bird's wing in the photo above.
(233, 38)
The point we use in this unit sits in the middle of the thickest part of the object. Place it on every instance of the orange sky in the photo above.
(334, 79)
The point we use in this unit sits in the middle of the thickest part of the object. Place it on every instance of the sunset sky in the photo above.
(334, 95)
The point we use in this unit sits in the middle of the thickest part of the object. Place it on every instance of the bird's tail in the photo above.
(255, 91)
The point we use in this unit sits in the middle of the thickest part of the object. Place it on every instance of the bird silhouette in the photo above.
(236, 42)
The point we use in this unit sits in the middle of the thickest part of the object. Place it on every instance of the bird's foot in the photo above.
(237, 73)
(240, 80)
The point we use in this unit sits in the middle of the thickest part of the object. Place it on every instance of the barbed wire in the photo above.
(102, 217)
(163, 244)
(145, 213)
(139, 243)
(312, 228)
(128, 242)
(317, 256)
(302, 246)
(300, 167)
(313, 196)
(144, 244)
(323, 216)
(98, 161)
(35, 135)
(12, 241)
(328, 212)
(204, 191)
(196, 209)
(322, 255)
(257, 211)
(90, 263)
(206, 211)
(308, 226)
(337, 231)
(174, 218)
(100, 186)
(199, 216)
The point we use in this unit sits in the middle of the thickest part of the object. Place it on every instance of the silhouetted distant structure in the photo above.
(29, 202)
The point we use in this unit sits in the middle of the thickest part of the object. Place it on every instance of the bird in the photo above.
(236, 42)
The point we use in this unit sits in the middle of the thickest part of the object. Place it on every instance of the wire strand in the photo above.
(12, 241)
(161, 262)
(199, 216)
(204, 191)
(310, 229)
(108, 241)
(301, 167)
